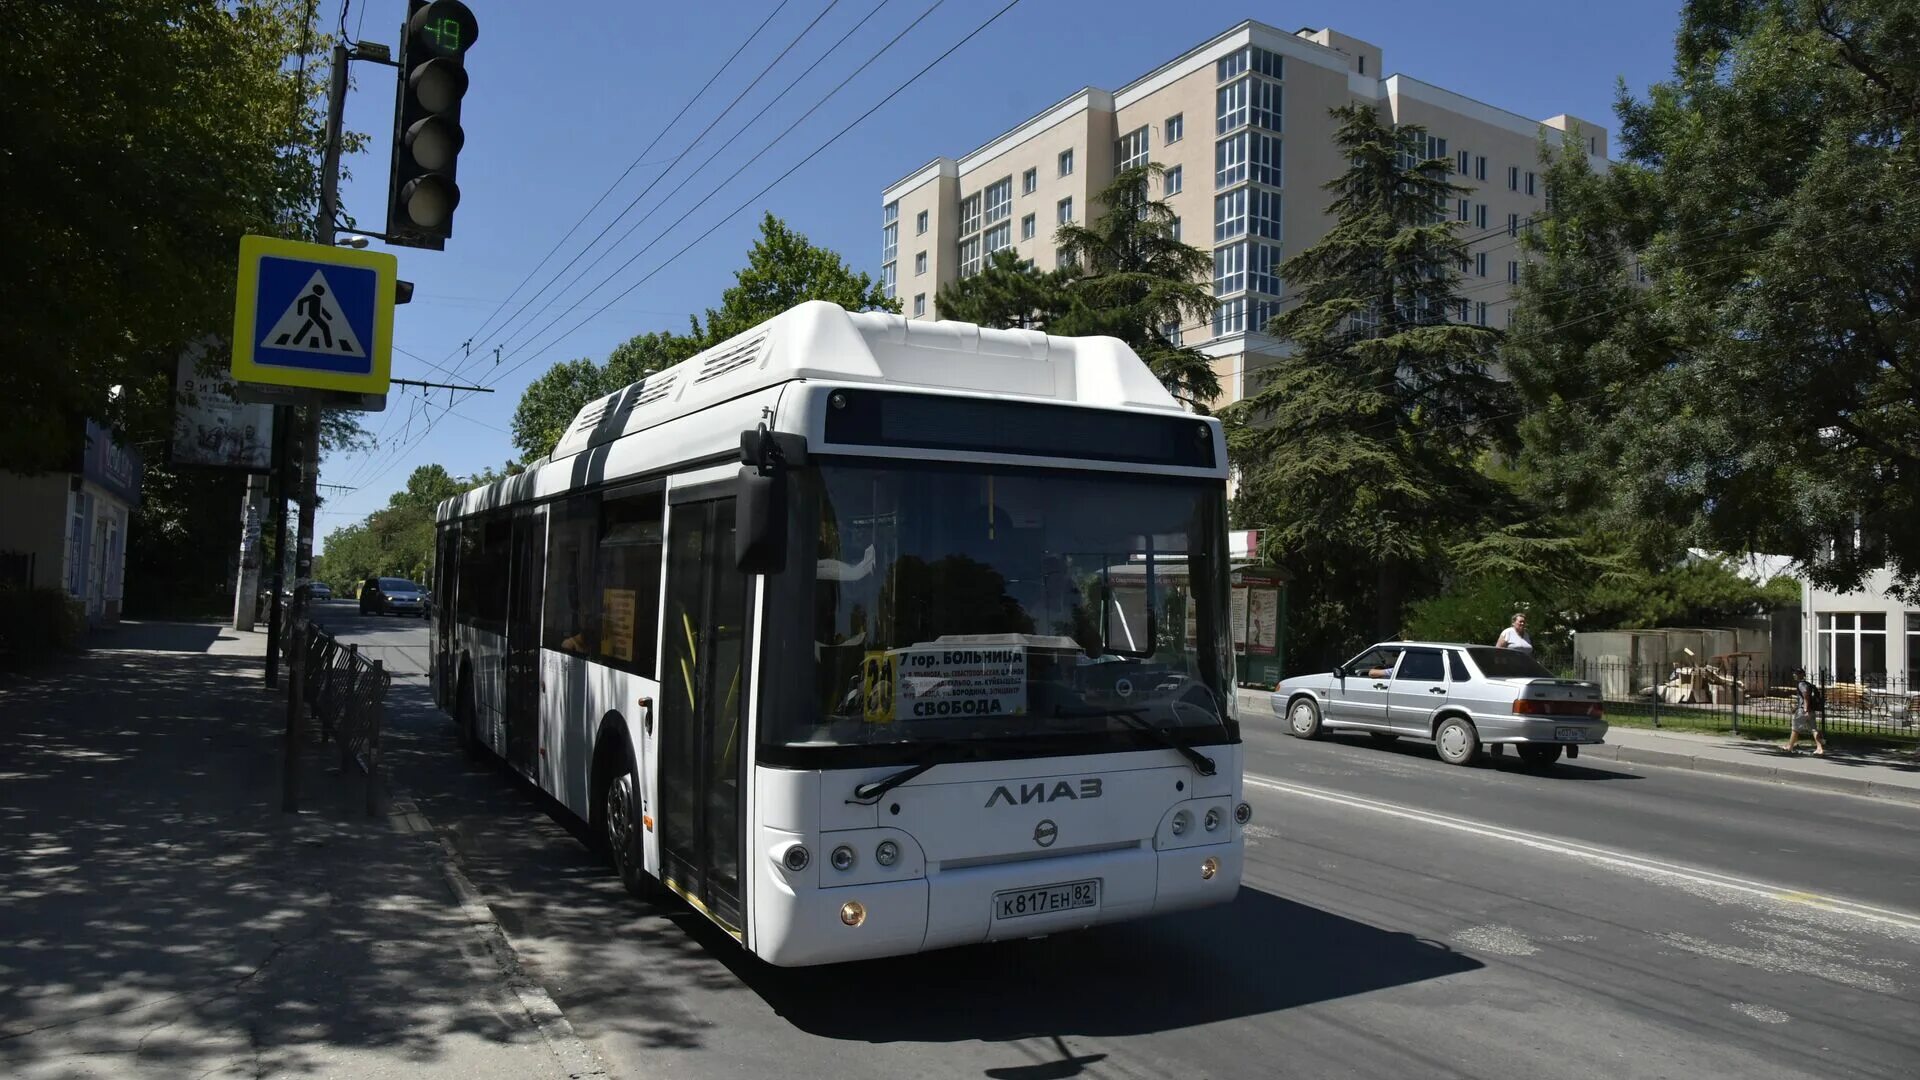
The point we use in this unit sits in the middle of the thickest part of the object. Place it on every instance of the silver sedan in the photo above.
(1464, 698)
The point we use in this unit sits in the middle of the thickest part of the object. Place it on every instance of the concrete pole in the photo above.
(253, 514)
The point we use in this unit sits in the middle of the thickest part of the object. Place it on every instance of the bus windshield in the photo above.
(961, 603)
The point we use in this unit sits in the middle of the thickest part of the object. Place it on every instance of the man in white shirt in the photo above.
(1515, 636)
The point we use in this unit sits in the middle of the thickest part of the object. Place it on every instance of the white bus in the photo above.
(867, 636)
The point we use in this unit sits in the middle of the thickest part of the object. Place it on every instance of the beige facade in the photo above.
(1244, 120)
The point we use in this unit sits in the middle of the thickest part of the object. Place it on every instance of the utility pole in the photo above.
(253, 512)
(277, 500)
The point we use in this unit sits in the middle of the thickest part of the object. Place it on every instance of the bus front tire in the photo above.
(620, 834)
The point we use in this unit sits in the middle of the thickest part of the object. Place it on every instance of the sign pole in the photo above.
(246, 592)
(277, 499)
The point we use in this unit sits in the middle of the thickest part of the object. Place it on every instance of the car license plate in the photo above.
(1047, 898)
(1569, 734)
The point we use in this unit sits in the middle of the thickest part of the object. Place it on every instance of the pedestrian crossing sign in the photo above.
(312, 316)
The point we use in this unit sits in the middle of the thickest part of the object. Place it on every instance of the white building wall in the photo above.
(1866, 636)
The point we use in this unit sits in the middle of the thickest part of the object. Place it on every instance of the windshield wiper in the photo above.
(1202, 764)
(869, 793)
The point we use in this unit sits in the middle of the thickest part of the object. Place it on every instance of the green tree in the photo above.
(144, 138)
(1135, 280)
(549, 403)
(1009, 293)
(1763, 394)
(783, 269)
(1361, 451)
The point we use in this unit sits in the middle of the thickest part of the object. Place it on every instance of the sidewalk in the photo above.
(164, 918)
(1882, 774)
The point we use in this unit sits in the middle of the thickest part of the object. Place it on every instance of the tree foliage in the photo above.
(144, 138)
(1762, 392)
(396, 540)
(1361, 450)
(549, 403)
(784, 268)
(1008, 293)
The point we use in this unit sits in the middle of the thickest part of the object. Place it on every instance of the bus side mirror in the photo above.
(760, 521)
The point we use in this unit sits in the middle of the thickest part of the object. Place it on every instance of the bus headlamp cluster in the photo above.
(797, 858)
(1242, 814)
(1182, 821)
(1214, 818)
(887, 853)
(842, 858)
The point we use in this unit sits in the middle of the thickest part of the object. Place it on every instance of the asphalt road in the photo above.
(1399, 918)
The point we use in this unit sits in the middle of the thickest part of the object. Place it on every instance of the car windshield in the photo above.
(394, 584)
(1507, 663)
(957, 604)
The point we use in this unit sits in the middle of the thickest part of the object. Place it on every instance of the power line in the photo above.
(697, 170)
(756, 196)
(618, 180)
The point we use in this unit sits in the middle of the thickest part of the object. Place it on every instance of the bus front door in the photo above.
(703, 710)
(527, 584)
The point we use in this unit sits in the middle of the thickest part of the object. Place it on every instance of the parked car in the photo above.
(392, 596)
(1462, 697)
(320, 590)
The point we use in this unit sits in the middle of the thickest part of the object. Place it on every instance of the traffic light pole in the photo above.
(309, 450)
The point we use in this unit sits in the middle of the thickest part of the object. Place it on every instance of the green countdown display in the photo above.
(444, 28)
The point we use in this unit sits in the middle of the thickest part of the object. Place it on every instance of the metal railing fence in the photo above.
(1742, 697)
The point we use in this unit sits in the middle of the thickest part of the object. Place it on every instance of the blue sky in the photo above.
(565, 97)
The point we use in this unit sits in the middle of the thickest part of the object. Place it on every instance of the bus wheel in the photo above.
(620, 832)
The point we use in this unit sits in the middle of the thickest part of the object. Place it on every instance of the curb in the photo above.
(1746, 770)
(1845, 785)
(568, 1050)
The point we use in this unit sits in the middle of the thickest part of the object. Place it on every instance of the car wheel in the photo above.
(1303, 718)
(1539, 756)
(1457, 741)
(1384, 736)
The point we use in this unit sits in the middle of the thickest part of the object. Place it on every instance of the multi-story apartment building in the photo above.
(1242, 125)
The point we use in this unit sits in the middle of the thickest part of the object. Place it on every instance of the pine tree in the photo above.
(1359, 453)
(1008, 293)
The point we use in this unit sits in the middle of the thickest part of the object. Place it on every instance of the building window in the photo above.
(887, 274)
(1480, 216)
(1063, 259)
(1229, 269)
(1174, 129)
(1513, 224)
(1480, 313)
(1513, 178)
(1853, 647)
(920, 223)
(1029, 181)
(999, 237)
(1913, 651)
(890, 234)
(1172, 181)
(1176, 228)
(1263, 268)
(1170, 331)
(1480, 263)
(1363, 63)
(1463, 209)
(1229, 66)
(1230, 317)
(1066, 163)
(969, 257)
(1529, 183)
(1263, 105)
(1513, 272)
(920, 303)
(920, 264)
(1026, 227)
(1509, 318)
(1463, 311)
(1063, 210)
(1465, 160)
(1130, 150)
(1230, 161)
(1000, 200)
(1229, 214)
(969, 215)
(1230, 107)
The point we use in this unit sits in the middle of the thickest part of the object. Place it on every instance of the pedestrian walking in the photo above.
(1515, 636)
(1805, 699)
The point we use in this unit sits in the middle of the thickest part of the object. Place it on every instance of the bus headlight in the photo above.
(1182, 821)
(887, 853)
(1243, 813)
(842, 860)
(853, 913)
(1209, 866)
(797, 858)
(1213, 818)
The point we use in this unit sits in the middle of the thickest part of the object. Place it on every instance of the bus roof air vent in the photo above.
(653, 388)
(731, 357)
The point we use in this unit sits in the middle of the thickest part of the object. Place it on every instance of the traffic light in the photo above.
(427, 138)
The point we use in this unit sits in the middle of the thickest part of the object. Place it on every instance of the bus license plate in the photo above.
(1569, 734)
(1073, 894)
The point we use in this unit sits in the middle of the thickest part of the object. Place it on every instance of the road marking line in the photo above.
(1618, 860)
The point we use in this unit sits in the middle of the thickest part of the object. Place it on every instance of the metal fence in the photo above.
(345, 693)
(1741, 697)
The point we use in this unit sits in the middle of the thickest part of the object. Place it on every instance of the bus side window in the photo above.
(626, 577)
(572, 623)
